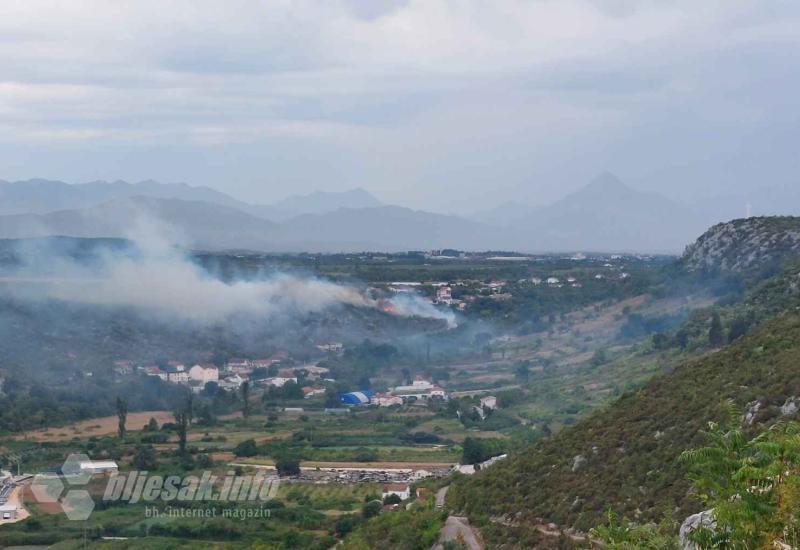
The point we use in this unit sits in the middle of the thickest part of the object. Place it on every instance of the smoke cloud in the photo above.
(159, 279)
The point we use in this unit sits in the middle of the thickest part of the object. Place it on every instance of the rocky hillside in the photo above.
(745, 245)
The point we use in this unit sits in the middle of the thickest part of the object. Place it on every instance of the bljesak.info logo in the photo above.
(67, 488)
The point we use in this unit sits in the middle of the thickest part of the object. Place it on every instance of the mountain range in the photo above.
(605, 215)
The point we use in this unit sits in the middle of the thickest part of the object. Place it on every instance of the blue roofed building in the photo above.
(356, 398)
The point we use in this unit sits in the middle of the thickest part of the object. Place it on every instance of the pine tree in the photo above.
(122, 416)
(715, 337)
(245, 398)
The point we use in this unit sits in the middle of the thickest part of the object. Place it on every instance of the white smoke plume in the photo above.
(162, 281)
(411, 305)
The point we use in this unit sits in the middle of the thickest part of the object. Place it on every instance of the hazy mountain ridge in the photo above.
(604, 216)
(607, 214)
(318, 202)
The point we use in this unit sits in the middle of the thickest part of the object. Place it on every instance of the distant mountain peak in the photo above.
(607, 183)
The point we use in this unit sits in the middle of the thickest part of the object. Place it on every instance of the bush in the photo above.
(246, 448)
(287, 466)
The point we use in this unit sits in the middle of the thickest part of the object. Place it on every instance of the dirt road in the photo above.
(458, 529)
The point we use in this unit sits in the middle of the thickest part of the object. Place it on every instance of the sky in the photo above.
(444, 105)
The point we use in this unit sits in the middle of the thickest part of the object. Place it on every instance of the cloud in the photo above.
(246, 95)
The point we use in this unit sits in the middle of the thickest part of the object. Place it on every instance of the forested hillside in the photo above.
(625, 456)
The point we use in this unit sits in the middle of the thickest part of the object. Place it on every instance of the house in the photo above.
(232, 382)
(386, 400)
(176, 374)
(599, 276)
(239, 366)
(263, 363)
(420, 388)
(571, 279)
(177, 366)
(152, 370)
(311, 371)
(277, 381)
(400, 489)
(444, 295)
(8, 511)
(330, 347)
(553, 281)
(536, 280)
(204, 373)
(489, 402)
(311, 391)
(123, 367)
(95, 467)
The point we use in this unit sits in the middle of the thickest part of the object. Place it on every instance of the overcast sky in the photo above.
(451, 106)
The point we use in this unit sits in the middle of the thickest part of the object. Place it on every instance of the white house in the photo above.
(98, 467)
(239, 366)
(444, 295)
(311, 391)
(177, 375)
(8, 511)
(330, 347)
(231, 382)
(386, 400)
(490, 402)
(204, 373)
(420, 388)
(399, 489)
(277, 381)
(553, 281)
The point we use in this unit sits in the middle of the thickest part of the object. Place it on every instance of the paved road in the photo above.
(440, 494)
(458, 528)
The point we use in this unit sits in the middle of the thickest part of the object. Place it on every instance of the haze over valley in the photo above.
(399, 275)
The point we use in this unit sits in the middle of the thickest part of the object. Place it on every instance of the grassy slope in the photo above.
(630, 448)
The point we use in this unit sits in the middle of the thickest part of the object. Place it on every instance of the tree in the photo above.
(245, 389)
(738, 328)
(144, 459)
(752, 486)
(287, 466)
(344, 524)
(247, 447)
(600, 357)
(522, 371)
(182, 422)
(190, 408)
(392, 499)
(152, 425)
(371, 509)
(660, 341)
(715, 337)
(122, 416)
